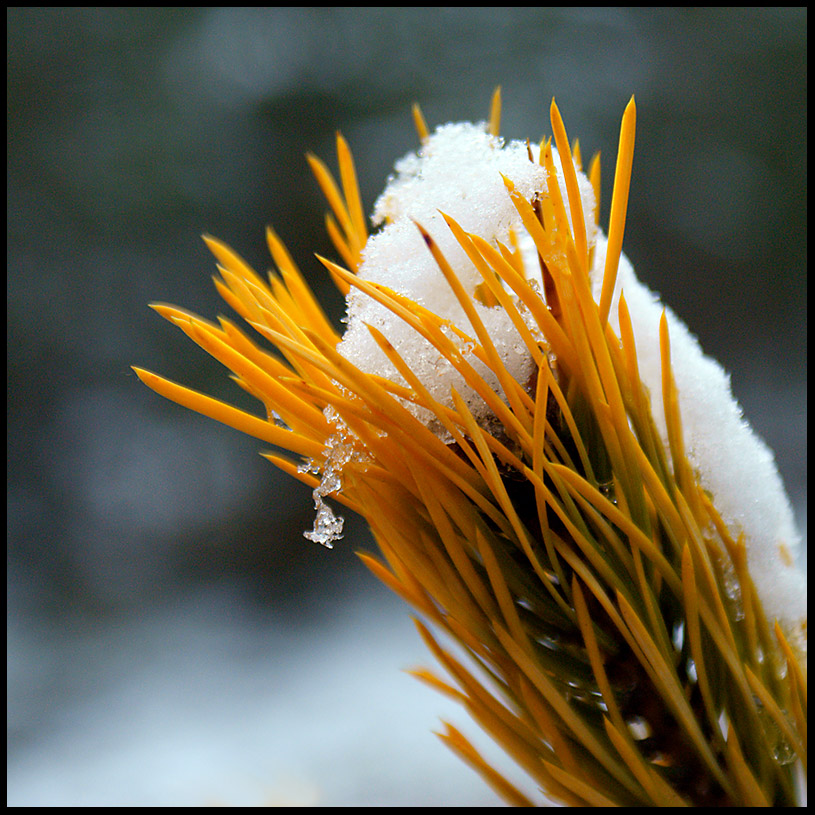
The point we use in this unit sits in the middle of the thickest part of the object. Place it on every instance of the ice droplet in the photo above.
(783, 752)
(340, 448)
(782, 749)
(732, 588)
(327, 525)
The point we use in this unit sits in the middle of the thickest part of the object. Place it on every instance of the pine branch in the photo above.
(533, 490)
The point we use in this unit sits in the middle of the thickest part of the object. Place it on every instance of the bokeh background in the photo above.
(172, 637)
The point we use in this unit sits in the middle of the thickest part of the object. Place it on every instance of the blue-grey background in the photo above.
(173, 639)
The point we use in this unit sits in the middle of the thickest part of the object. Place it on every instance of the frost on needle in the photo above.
(556, 476)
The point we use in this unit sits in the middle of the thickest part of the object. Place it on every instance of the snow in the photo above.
(459, 172)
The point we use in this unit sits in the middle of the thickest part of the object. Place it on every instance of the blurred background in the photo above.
(172, 637)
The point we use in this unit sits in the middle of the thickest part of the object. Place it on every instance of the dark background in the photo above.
(172, 636)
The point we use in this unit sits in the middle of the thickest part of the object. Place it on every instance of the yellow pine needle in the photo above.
(401, 306)
(493, 282)
(496, 485)
(400, 422)
(456, 741)
(231, 299)
(494, 127)
(502, 593)
(570, 177)
(338, 206)
(597, 375)
(578, 534)
(693, 629)
(301, 294)
(640, 411)
(577, 263)
(512, 251)
(796, 672)
(231, 416)
(587, 310)
(575, 790)
(350, 189)
(241, 287)
(670, 399)
(409, 594)
(619, 206)
(594, 179)
(576, 155)
(305, 421)
(419, 123)
(446, 416)
(435, 682)
(595, 657)
(231, 260)
(543, 317)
